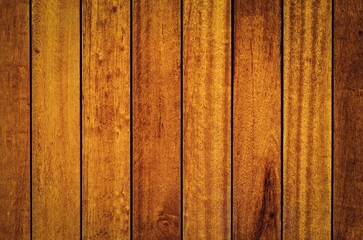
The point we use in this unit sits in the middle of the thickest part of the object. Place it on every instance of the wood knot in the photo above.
(167, 226)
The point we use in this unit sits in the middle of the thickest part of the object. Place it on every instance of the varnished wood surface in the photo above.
(106, 119)
(137, 178)
(14, 120)
(56, 119)
(348, 120)
(257, 120)
(207, 124)
(307, 119)
(156, 119)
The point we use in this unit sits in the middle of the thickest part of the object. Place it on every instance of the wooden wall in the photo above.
(181, 119)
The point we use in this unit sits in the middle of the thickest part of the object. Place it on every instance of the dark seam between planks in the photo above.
(31, 114)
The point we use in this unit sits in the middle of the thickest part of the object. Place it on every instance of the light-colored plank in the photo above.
(257, 120)
(106, 119)
(348, 120)
(207, 119)
(156, 119)
(307, 119)
(14, 120)
(56, 119)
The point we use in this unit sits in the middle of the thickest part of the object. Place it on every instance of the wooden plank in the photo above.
(257, 120)
(348, 120)
(14, 120)
(156, 119)
(307, 119)
(207, 119)
(56, 119)
(106, 119)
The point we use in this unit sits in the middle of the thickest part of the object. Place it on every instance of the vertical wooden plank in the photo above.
(14, 120)
(257, 120)
(348, 120)
(56, 119)
(156, 119)
(307, 119)
(106, 119)
(207, 119)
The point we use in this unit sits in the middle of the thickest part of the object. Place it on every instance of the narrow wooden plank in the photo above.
(207, 119)
(56, 119)
(257, 120)
(307, 119)
(156, 119)
(14, 120)
(106, 119)
(348, 120)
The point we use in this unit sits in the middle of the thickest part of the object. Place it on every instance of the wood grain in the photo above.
(14, 120)
(207, 122)
(106, 119)
(156, 119)
(307, 119)
(56, 119)
(257, 120)
(348, 120)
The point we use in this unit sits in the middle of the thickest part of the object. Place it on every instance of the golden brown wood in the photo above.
(106, 119)
(207, 124)
(56, 119)
(257, 120)
(156, 119)
(307, 119)
(14, 120)
(348, 120)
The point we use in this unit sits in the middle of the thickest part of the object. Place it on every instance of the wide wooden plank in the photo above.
(14, 120)
(207, 119)
(257, 120)
(307, 119)
(348, 120)
(156, 119)
(56, 119)
(106, 119)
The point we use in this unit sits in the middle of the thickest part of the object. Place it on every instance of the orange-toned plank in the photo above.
(106, 119)
(307, 119)
(156, 119)
(56, 119)
(207, 119)
(348, 120)
(14, 120)
(257, 120)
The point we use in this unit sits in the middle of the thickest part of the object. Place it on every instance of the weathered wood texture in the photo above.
(56, 119)
(14, 120)
(257, 120)
(106, 119)
(207, 119)
(348, 120)
(307, 119)
(156, 119)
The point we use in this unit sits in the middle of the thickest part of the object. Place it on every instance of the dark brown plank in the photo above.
(348, 119)
(106, 119)
(56, 119)
(307, 119)
(156, 119)
(257, 120)
(14, 120)
(207, 119)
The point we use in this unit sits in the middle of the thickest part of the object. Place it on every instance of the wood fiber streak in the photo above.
(106, 119)
(56, 119)
(307, 119)
(207, 119)
(14, 120)
(348, 120)
(257, 120)
(156, 119)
